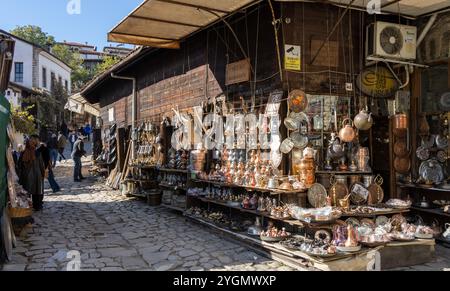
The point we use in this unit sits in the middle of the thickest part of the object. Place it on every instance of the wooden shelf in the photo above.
(140, 181)
(272, 191)
(254, 212)
(437, 211)
(148, 167)
(343, 173)
(173, 207)
(173, 170)
(402, 185)
(172, 187)
(372, 215)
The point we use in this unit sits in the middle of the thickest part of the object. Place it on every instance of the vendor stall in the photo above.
(300, 141)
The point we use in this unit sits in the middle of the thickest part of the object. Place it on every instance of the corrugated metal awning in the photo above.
(164, 23)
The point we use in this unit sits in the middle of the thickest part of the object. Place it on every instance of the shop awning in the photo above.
(76, 103)
(412, 8)
(165, 23)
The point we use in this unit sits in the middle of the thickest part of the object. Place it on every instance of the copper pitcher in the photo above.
(423, 126)
(347, 133)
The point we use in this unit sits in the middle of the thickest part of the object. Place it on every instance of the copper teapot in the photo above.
(347, 133)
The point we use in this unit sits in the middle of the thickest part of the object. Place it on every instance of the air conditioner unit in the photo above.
(391, 41)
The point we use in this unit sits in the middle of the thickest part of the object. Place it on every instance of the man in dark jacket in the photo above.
(52, 145)
(77, 153)
(46, 156)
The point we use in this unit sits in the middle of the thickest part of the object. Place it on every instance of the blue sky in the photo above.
(92, 25)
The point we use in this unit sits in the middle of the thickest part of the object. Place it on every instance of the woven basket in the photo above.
(20, 212)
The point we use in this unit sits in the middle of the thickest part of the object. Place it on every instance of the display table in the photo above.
(397, 255)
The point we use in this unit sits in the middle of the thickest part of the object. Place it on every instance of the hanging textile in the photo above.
(4, 120)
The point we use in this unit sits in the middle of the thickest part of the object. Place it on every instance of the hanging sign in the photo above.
(377, 82)
(238, 72)
(292, 57)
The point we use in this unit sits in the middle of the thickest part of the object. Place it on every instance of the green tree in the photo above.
(107, 63)
(34, 34)
(80, 75)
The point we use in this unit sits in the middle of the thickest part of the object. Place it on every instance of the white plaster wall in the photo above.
(23, 52)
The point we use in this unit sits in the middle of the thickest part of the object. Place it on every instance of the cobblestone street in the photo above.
(116, 233)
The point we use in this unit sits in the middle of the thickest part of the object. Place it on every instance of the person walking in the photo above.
(52, 145)
(46, 157)
(77, 153)
(64, 129)
(32, 172)
(72, 139)
(88, 131)
(62, 141)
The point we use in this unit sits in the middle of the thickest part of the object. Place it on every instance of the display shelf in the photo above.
(173, 207)
(179, 171)
(403, 185)
(140, 181)
(437, 211)
(249, 188)
(296, 259)
(373, 215)
(172, 187)
(343, 173)
(254, 212)
(148, 167)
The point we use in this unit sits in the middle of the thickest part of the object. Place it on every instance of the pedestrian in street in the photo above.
(52, 145)
(62, 141)
(64, 129)
(72, 139)
(32, 172)
(46, 157)
(77, 153)
(88, 131)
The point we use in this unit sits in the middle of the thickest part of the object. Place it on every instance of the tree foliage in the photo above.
(23, 120)
(80, 75)
(107, 63)
(34, 34)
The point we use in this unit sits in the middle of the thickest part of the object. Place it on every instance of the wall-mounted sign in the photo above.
(292, 57)
(111, 114)
(378, 82)
(238, 72)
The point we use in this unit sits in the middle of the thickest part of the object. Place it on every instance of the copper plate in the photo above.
(317, 196)
(337, 192)
(401, 149)
(358, 193)
(297, 101)
(376, 194)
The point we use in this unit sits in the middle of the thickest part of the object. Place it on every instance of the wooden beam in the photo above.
(165, 21)
(194, 6)
(145, 36)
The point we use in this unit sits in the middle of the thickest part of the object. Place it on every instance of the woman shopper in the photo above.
(62, 141)
(32, 172)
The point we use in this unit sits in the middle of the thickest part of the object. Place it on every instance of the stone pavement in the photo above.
(112, 233)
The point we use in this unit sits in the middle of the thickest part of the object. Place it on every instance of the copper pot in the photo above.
(402, 165)
(423, 126)
(347, 133)
(307, 172)
(401, 149)
(400, 121)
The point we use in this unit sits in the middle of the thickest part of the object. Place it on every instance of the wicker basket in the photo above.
(20, 212)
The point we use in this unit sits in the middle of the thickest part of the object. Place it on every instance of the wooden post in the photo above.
(120, 149)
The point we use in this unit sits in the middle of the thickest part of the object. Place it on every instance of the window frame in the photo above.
(18, 74)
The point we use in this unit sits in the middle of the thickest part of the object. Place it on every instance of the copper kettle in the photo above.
(347, 133)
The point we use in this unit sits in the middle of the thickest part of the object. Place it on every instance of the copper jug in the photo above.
(307, 172)
(423, 126)
(400, 125)
(347, 133)
(402, 165)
